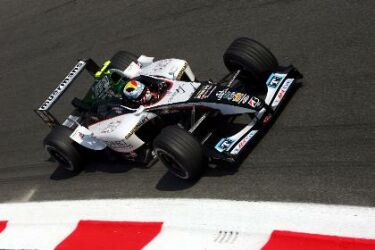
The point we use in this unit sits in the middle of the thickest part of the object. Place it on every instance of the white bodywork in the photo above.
(86, 138)
(168, 68)
(172, 69)
(118, 133)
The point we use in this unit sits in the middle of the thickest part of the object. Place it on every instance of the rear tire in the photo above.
(180, 152)
(253, 59)
(122, 59)
(64, 150)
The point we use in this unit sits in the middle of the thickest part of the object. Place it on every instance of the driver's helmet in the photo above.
(133, 89)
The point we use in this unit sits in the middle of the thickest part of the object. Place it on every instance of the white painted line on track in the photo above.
(28, 195)
(187, 223)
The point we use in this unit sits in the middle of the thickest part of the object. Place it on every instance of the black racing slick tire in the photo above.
(64, 150)
(122, 59)
(253, 59)
(180, 152)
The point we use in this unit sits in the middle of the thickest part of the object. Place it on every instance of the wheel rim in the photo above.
(172, 164)
(60, 158)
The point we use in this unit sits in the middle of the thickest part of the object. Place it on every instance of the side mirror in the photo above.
(132, 71)
(145, 60)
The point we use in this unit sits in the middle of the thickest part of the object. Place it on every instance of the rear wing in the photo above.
(44, 110)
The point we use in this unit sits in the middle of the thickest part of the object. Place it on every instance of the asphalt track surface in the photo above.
(320, 150)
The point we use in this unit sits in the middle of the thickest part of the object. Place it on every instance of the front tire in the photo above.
(180, 152)
(251, 57)
(59, 145)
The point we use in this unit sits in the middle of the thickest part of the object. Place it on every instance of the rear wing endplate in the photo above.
(44, 110)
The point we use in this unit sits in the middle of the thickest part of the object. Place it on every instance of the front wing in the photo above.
(280, 86)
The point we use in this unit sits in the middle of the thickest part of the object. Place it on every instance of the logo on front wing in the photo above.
(282, 91)
(254, 102)
(275, 79)
(243, 142)
(224, 145)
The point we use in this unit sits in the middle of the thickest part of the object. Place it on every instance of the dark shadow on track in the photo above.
(171, 183)
(113, 167)
(222, 170)
(61, 174)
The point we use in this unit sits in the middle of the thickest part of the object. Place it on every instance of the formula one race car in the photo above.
(144, 109)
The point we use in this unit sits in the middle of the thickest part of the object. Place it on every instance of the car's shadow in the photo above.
(113, 166)
(169, 182)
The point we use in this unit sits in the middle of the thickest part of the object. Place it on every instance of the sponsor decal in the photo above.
(244, 99)
(205, 92)
(275, 79)
(282, 91)
(254, 102)
(240, 98)
(225, 145)
(284, 88)
(229, 95)
(208, 93)
(111, 127)
(200, 92)
(243, 142)
(237, 97)
(119, 145)
(63, 85)
(141, 122)
(220, 94)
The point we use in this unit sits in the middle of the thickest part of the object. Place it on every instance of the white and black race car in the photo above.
(192, 124)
